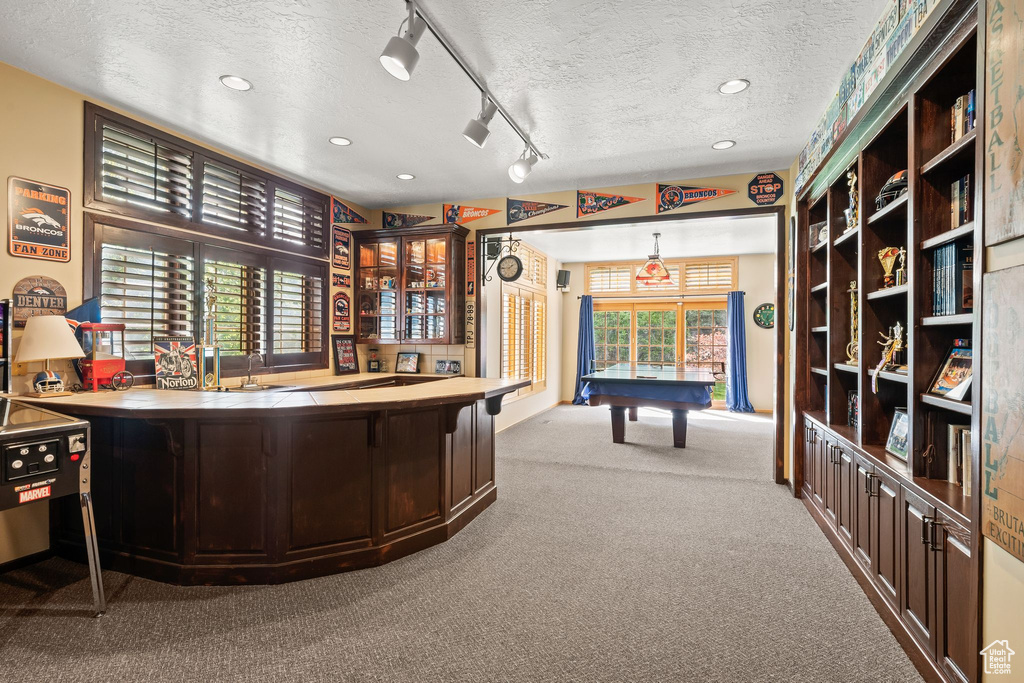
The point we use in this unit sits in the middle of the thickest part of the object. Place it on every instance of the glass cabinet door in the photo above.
(425, 292)
(378, 296)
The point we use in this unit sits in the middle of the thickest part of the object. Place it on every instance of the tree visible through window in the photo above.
(611, 338)
(707, 338)
(656, 336)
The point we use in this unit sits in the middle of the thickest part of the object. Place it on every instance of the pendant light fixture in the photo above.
(654, 271)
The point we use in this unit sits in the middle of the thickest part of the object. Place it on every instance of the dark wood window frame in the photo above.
(96, 117)
(202, 248)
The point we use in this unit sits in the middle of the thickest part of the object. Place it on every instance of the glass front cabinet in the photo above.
(411, 285)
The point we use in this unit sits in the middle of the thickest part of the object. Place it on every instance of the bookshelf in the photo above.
(915, 138)
(844, 471)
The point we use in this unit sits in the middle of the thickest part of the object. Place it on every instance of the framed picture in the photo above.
(408, 362)
(896, 444)
(346, 359)
(954, 376)
(175, 362)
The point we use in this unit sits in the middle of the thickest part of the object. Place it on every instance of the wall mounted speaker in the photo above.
(562, 280)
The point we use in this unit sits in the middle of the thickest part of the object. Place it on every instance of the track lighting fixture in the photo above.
(522, 166)
(476, 131)
(400, 56)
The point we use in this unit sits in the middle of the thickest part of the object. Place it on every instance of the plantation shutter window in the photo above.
(538, 339)
(298, 219)
(240, 322)
(606, 279)
(150, 289)
(139, 170)
(712, 277)
(233, 200)
(696, 276)
(298, 312)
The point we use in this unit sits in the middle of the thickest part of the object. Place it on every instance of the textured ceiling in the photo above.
(615, 92)
(686, 238)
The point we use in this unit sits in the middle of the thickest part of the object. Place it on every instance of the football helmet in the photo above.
(47, 382)
(894, 188)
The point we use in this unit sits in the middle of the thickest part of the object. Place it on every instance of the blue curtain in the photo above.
(736, 398)
(585, 347)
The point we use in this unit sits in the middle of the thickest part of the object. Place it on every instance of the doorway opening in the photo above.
(673, 325)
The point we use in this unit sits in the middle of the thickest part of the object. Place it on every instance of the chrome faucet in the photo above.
(249, 380)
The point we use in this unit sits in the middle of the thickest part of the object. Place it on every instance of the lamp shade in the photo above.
(653, 272)
(48, 337)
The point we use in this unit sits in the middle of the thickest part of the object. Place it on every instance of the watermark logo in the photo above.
(997, 657)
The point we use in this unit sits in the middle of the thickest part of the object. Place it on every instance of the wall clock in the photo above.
(510, 268)
(764, 316)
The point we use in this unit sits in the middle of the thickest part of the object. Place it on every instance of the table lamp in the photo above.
(46, 338)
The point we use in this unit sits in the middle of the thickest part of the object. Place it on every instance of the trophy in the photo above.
(852, 347)
(901, 272)
(852, 213)
(209, 365)
(892, 354)
(887, 256)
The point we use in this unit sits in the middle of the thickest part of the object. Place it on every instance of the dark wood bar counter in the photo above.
(314, 478)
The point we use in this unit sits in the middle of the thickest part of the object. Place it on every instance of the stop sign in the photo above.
(765, 188)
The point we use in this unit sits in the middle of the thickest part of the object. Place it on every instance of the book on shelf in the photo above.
(960, 202)
(958, 454)
(953, 278)
(962, 116)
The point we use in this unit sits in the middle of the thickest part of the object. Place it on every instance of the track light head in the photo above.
(400, 56)
(476, 131)
(522, 167)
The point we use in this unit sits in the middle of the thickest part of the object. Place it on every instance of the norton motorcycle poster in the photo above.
(175, 359)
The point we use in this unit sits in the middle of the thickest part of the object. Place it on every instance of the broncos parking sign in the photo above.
(37, 219)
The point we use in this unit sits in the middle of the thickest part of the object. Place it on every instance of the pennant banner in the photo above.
(455, 213)
(404, 220)
(677, 196)
(589, 203)
(521, 209)
(343, 213)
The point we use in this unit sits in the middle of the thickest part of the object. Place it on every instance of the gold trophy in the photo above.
(208, 351)
(853, 347)
(892, 344)
(901, 272)
(887, 256)
(852, 213)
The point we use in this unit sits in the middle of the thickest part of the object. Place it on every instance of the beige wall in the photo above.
(756, 278)
(41, 138)
(518, 409)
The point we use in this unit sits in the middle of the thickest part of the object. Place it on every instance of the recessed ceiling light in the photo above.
(340, 141)
(734, 86)
(724, 144)
(405, 176)
(236, 83)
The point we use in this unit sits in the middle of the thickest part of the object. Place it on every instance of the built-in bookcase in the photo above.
(916, 138)
(913, 534)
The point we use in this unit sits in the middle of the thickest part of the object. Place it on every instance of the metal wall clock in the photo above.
(764, 316)
(510, 267)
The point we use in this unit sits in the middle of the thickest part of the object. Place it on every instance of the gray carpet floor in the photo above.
(598, 562)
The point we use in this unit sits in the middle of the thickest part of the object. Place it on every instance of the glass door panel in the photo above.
(436, 250)
(435, 326)
(435, 276)
(414, 327)
(435, 302)
(389, 254)
(367, 255)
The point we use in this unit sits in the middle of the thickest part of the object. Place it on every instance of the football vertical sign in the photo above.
(38, 220)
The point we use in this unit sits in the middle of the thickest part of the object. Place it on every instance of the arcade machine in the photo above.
(45, 455)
